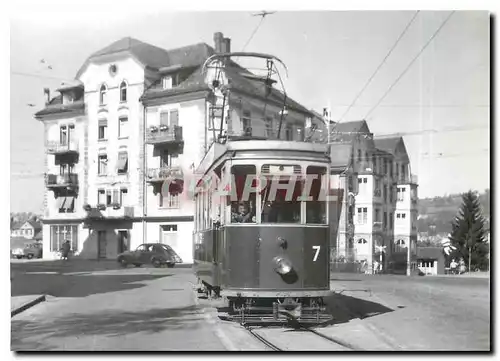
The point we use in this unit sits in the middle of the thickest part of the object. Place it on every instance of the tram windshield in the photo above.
(284, 205)
(316, 204)
(243, 195)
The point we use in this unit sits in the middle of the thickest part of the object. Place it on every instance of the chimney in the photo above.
(218, 41)
(227, 45)
(46, 92)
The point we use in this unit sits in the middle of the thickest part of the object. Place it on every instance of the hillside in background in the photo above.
(440, 211)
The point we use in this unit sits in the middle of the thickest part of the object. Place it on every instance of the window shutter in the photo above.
(164, 118)
(122, 164)
(174, 118)
(116, 199)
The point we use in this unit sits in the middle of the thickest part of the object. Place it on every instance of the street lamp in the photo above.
(381, 249)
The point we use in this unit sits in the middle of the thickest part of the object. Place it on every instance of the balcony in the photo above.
(407, 179)
(164, 135)
(55, 181)
(111, 178)
(62, 148)
(159, 175)
(102, 213)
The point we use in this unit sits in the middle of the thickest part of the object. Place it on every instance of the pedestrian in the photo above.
(462, 266)
(66, 247)
(453, 266)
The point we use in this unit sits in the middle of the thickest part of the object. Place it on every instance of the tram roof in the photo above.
(217, 150)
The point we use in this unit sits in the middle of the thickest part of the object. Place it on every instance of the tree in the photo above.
(468, 233)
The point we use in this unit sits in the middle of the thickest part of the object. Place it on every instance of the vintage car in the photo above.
(156, 254)
(33, 250)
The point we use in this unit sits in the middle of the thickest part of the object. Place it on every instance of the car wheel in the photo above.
(19, 257)
(156, 263)
(123, 262)
(30, 256)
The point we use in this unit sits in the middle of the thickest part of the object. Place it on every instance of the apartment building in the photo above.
(379, 215)
(136, 116)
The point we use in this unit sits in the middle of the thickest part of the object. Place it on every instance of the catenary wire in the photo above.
(410, 64)
(380, 65)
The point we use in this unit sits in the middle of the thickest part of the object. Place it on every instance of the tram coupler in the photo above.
(289, 308)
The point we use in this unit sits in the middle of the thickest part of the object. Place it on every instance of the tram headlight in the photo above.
(282, 265)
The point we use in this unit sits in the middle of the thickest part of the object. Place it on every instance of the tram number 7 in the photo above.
(316, 254)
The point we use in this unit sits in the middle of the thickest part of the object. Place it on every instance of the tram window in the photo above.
(243, 200)
(281, 209)
(316, 207)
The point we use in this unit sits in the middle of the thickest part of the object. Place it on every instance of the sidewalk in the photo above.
(471, 275)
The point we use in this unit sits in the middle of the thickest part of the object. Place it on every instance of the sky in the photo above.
(330, 55)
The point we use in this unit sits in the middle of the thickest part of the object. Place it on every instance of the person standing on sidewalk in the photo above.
(453, 266)
(66, 247)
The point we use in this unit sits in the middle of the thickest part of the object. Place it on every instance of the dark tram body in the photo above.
(266, 250)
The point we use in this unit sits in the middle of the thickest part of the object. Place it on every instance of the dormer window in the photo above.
(67, 97)
(167, 82)
(123, 92)
(102, 95)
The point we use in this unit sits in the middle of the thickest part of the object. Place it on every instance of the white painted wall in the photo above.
(94, 76)
(184, 246)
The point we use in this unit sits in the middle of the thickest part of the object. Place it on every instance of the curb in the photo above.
(27, 305)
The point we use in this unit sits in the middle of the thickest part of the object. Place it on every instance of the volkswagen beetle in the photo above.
(156, 254)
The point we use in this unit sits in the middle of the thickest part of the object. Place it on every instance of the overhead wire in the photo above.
(410, 64)
(33, 75)
(380, 65)
(253, 33)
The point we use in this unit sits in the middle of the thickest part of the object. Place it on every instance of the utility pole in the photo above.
(408, 265)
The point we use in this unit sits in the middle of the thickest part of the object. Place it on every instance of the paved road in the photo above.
(419, 313)
(109, 309)
(98, 306)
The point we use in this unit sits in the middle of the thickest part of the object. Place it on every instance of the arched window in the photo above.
(123, 91)
(102, 94)
(362, 241)
(400, 245)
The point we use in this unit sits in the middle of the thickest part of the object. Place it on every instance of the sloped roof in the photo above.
(234, 72)
(56, 107)
(147, 54)
(189, 57)
(35, 225)
(256, 88)
(354, 126)
(388, 145)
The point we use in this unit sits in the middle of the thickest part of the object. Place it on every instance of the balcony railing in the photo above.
(62, 181)
(102, 212)
(412, 179)
(160, 174)
(57, 147)
(164, 135)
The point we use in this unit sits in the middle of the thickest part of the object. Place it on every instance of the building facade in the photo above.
(139, 119)
(379, 214)
(28, 230)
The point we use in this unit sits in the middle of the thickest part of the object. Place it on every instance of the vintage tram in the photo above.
(261, 236)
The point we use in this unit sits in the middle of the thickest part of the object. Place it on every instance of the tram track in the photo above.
(284, 340)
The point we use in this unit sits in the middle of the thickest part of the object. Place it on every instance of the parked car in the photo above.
(33, 250)
(17, 252)
(156, 254)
